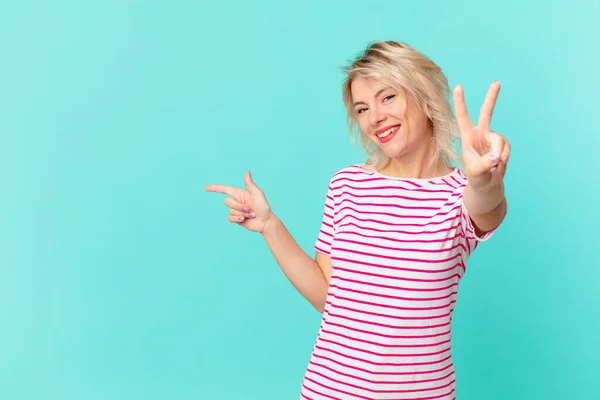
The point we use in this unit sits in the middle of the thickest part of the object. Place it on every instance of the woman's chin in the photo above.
(392, 150)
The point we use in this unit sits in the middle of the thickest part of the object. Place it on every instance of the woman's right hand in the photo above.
(248, 207)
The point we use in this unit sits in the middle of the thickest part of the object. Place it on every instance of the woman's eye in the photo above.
(388, 98)
(361, 110)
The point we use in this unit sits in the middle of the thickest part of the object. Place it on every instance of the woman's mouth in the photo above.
(388, 134)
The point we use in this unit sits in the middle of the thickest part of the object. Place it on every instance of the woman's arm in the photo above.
(250, 209)
(309, 276)
(485, 155)
(487, 207)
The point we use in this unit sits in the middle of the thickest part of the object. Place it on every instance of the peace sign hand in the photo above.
(485, 152)
(248, 208)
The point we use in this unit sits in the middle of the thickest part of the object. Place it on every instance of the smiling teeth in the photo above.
(384, 134)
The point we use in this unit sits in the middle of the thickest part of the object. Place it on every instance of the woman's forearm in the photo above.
(487, 206)
(302, 271)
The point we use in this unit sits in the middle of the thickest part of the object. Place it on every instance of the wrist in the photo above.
(271, 225)
(489, 190)
(484, 199)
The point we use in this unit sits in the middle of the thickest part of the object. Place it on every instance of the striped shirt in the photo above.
(398, 249)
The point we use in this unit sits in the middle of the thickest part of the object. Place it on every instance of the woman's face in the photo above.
(396, 126)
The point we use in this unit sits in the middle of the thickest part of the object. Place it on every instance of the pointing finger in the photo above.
(222, 189)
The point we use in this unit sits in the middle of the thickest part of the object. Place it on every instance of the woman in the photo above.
(396, 233)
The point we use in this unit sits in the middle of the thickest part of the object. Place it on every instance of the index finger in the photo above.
(485, 114)
(231, 191)
(460, 108)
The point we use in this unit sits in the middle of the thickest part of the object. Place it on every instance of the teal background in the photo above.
(120, 278)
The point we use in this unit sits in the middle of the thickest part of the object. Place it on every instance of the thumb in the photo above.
(486, 163)
(250, 185)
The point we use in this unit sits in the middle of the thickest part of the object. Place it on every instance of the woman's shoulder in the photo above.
(351, 170)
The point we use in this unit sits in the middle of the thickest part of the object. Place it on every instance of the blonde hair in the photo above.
(407, 70)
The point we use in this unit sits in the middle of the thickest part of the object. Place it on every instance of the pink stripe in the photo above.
(367, 398)
(309, 398)
(326, 223)
(407, 289)
(396, 196)
(416, 250)
(353, 170)
(399, 224)
(449, 184)
(374, 353)
(335, 390)
(368, 176)
(395, 317)
(409, 346)
(392, 306)
(379, 391)
(381, 382)
(371, 178)
(419, 260)
(417, 327)
(399, 278)
(450, 229)
(447, 202)
(425, 271)
(471, 237)
(394, 215)
(439, 396)
(322, 250)
(393, 297)
(328, 244)
(316, 392)
(382, 188)
(353, 329)
(383, 364)
(467, 227)
(326, 234)
(439, 214)
(396, 240)
(392, 373)
(415, 184)
(388, 205)
(460, 184)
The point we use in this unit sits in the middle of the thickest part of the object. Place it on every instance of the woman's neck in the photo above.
(417, 165)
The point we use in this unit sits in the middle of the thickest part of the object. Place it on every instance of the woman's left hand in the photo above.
(485, 152)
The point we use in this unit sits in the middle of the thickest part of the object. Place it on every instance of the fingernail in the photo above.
(505, 159)
(245, 209)
(492, 169)
(241, 218)
(252, 215)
